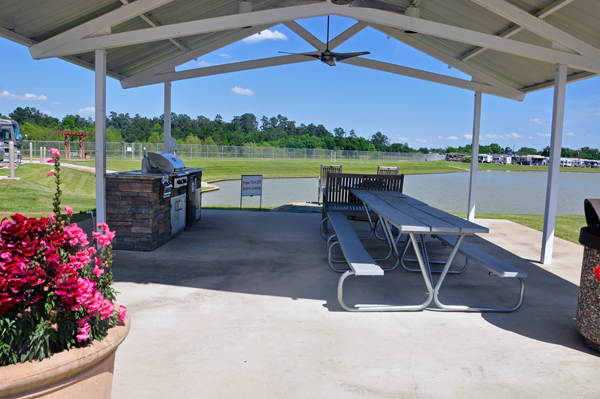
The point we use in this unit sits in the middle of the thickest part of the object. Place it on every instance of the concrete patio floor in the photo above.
(244, 305)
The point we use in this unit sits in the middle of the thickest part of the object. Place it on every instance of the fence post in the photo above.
(30, 152)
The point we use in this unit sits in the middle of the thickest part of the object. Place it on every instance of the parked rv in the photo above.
(484, 158)
(566, 162)
(9, 131)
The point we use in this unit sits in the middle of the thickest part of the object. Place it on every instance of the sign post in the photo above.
(251, 186)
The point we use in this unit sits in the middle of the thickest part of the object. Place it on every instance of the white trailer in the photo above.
(485, 158)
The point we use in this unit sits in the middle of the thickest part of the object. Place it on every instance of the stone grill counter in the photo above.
(137, 211)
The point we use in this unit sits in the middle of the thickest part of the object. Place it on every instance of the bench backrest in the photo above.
(339, 185)
(388, 170)
(325, 169)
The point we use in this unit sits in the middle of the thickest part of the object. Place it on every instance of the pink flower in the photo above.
(51, 172)
(105, 239)
(54, 152)
(67, 208)
(97, 271)
(49, 160)
(76, 235)
(107, 309)
(122, 313)
(84, 329)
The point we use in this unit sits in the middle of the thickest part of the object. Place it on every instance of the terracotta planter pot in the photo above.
(77, 373)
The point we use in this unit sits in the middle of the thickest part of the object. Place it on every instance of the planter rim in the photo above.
(20, 377)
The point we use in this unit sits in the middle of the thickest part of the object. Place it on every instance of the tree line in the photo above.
(243, 130)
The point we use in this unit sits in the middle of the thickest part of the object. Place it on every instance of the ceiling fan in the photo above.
(329, 57)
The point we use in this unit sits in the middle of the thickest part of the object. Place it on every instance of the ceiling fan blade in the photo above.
(343, 56)
(317, 56)
(378, 5)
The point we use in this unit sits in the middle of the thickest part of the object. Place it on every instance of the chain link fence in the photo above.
(33, 149)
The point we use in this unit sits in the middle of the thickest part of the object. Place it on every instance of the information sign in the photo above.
(251, 186)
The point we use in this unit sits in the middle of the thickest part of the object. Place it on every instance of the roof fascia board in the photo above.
(572, 78)
(424, 75)
(221, 69)
(122, 14)
(24, 40)
(410, 40)
(186, 57)
(543, 13)
(470, 37)
(539, 27)
(164, 32)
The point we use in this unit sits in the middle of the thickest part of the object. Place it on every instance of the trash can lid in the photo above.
(591, 207)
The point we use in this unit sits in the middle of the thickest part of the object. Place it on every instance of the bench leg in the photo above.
(375, 308)
(323, 228)
(330, 258)
(460, 308)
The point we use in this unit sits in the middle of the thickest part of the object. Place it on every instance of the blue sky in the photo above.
(405, 109)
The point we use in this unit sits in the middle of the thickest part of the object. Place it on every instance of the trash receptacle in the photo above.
(588, 306)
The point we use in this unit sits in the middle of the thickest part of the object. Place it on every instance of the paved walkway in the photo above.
(243, 305)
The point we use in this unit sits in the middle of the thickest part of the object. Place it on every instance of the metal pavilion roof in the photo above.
(510, 47)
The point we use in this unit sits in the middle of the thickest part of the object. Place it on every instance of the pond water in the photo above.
(497, 191)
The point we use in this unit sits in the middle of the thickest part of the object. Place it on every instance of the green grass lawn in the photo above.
(34, 193)
(233, 169)
(567, 226)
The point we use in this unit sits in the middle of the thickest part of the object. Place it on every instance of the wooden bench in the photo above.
(357, 257)
(338, 198)
(495, 267)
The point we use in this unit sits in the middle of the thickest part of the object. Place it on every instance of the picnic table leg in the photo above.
(460, 308)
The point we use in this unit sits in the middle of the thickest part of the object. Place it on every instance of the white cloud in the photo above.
(27, 96)
(504, 136)
(203, 64)
(421, 140)
(265, 35)
(571, 134)
(46, 112)
(468, 136)
(87, 110)
(543, 134)
(402, 138)
(590, 135)
(243, 92)
(57, 103)
(452, 138)
(530, 137)
(225, 55)
(537, 121)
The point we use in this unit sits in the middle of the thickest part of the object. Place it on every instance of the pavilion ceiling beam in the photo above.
(462, 35)
(152, 22)
(186, 57)
(543, 13)
(333, 43)
(107, 20)
(540, 27)
(72, 59)
(221, 69)
(235, 21)
(509, 91)
(423, 75)
(306, 35)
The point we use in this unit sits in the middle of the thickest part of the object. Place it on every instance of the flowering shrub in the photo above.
(55, 289)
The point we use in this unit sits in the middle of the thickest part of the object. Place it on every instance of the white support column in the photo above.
(100, 136)
(167, 118)
(474, 156)
(558, 114)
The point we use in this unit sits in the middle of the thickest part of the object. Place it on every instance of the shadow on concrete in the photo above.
(283, 254)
